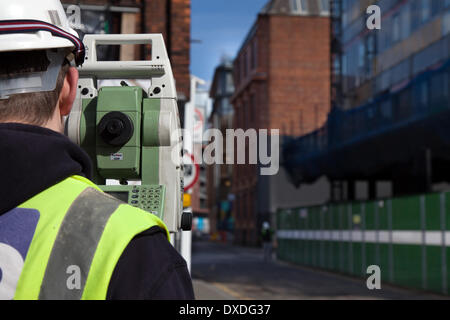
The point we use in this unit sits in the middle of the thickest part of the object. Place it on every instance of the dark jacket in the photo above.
(266, 235)
(33, 159)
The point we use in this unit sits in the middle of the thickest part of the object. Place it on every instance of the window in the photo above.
(420, 94)
(344, 64)
(221, 84)
(324, 7)
(424, 94)
(236, 72)
(101, 22)
(243, 66)
(370, 53)
(361, 55)
(403, 105)
(439, 89)
(436, 7)
(396, 28)
(386, 109)
(252, 110)
(246, 115)
(299, 6)
(406, 22)
(304, 5)
(254, 54)
(229, 85)
(425, 10)
(243, 116)
(248, 57)
(446, 23)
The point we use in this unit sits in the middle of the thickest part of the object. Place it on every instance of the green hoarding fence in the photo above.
(408, 238)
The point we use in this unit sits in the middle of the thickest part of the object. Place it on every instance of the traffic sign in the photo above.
(191, 171)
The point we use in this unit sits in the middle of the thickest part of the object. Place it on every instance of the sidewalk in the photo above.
(209, 291)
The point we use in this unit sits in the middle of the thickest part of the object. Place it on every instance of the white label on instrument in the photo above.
(116, 156)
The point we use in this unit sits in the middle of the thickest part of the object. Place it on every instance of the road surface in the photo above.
(226, 272)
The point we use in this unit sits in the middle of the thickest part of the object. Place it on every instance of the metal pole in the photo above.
(186, 236)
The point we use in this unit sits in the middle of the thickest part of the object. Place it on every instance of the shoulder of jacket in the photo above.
(95, 197)
(79, 180)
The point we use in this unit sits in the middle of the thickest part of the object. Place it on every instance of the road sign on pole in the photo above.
(191, 171)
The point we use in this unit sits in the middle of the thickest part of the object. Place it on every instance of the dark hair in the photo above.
(36, 107)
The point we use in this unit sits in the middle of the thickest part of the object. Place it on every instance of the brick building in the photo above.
(282, 76)
(171, 18)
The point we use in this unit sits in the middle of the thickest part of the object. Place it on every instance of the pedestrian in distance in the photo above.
(266, 236)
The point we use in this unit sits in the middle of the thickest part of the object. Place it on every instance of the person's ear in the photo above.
(68, 91)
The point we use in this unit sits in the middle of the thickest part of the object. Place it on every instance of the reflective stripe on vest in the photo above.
(81, 230)
(88, 216)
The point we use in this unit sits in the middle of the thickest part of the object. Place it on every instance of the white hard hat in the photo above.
(36, 25)
(27, 25)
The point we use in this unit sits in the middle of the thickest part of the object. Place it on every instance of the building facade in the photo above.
(390, 98)
(390, 122)
(220, 175)
(397, 74)
(413, 37)
(171, 18)
(282, 75)
(199, 194)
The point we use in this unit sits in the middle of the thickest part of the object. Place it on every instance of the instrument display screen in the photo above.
(121, 195)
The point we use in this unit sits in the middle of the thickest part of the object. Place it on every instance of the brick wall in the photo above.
(286, 88)
(180, 30)
(291, 78)
(171, 18)
(299, 93)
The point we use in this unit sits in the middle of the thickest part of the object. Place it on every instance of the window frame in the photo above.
(324, 12)
(299, 7)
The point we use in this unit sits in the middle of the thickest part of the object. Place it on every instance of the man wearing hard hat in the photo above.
(60, 236)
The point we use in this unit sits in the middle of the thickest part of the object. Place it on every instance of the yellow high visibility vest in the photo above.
(79, 235)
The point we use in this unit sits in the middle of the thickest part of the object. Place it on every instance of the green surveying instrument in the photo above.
(130, 134)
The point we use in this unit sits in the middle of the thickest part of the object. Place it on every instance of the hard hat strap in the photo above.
(25, 26)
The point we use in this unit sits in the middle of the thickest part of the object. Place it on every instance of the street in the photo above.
(225, 272)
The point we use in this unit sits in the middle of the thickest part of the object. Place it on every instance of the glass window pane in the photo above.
(325, 6)
(294, 5)
(304, 7)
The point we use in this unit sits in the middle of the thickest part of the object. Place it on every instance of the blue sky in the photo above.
(222, 26)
